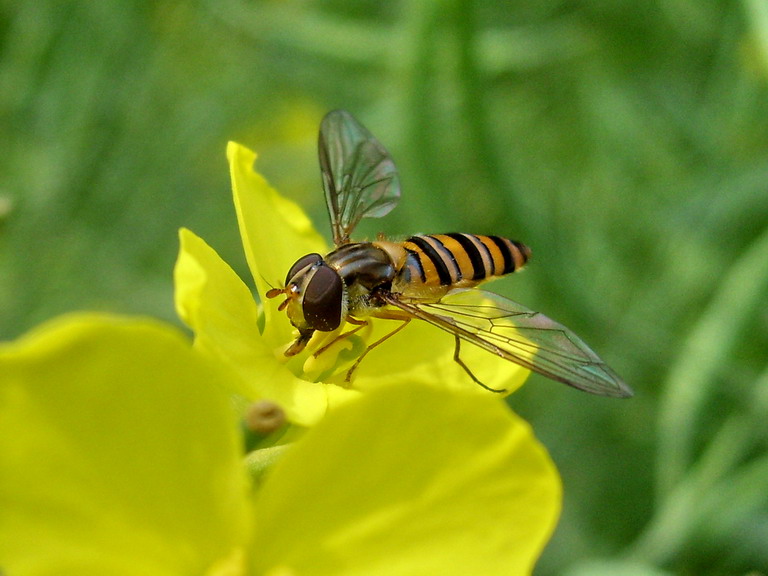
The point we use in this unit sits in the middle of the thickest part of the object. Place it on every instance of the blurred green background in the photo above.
(625, 142)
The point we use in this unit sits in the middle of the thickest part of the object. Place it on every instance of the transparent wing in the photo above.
(359, 177)
(520, 335)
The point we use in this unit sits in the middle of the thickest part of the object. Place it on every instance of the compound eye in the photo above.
(323, 299)
(301, 263)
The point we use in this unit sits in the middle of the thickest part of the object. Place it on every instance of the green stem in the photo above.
(259, 462)
(476, 117)
(422, 92)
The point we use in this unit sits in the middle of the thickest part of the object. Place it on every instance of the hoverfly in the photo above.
(422, 277)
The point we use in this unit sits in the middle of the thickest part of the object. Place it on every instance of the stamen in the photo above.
(263, 417)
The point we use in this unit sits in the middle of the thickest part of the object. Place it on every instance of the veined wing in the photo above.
(520, 335)
(359, 177)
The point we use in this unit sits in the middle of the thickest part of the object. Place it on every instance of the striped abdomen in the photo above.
(459, 260)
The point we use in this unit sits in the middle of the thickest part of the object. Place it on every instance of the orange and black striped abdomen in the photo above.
(462, 260)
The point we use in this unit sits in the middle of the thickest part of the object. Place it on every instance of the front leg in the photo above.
(300, 343)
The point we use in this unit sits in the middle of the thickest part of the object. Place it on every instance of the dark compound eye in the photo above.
(322, 299)
(301, 263)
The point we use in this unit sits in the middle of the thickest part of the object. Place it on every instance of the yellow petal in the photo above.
(410, 480)
(275, 232)
(425, 354)
(119, 453)
(215, 303)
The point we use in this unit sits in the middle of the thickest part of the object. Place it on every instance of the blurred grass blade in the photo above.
(757, 18)
(692, 379)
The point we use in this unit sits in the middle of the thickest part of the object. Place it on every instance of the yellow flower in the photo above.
(119, 455)
(229, 325)
(121, 452)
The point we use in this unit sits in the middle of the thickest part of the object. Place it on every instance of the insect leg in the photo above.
(360, 325)
(460, 362)
(404, 320)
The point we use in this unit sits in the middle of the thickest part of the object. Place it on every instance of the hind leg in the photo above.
(460, 362)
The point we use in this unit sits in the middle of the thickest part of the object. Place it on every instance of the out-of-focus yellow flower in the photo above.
(119, 455)
(229, 325)
(410, 479)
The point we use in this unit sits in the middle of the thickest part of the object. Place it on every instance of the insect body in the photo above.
(425, 277)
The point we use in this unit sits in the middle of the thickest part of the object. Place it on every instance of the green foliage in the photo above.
(627, 143)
